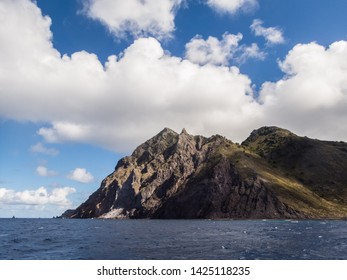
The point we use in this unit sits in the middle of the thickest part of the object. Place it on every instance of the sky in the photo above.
(82, 83)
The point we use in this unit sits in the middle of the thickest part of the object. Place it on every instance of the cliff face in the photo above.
(174, 176)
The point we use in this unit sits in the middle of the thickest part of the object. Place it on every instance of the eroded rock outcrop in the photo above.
(176, 176)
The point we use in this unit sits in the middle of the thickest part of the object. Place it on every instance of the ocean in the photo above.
(94, 239)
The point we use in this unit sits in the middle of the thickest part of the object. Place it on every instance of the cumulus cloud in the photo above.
(40, 148)
(312, 97)
(220, 52)
(44, 172)
(41, 196)
(81, 175)
(135, 17)
(232, 6)
(212, 50)
(117, 105)
(272, 35)
(133, 96)
(252, 51)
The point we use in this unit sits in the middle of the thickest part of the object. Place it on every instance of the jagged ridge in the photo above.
(184, 176)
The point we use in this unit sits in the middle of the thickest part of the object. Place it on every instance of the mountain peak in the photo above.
(274, 174)
(157, 144)
(165, 132)
(266, 132)
(184, 131)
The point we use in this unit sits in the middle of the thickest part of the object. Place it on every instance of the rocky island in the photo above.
(273, 174)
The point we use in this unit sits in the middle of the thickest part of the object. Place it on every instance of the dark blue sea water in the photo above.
(59, 239)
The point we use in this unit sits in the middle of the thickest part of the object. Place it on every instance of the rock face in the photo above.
(176, 176)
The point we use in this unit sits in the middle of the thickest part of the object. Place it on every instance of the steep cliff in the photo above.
(175, 176)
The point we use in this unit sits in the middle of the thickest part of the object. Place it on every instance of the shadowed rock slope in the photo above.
(273, 174)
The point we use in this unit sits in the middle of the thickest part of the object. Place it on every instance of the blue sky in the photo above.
(82, 83)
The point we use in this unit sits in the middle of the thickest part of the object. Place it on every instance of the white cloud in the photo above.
(212, 50)
(272, 35)
(117, 105)
(232, 6)
(252, 51)
(221, 52)
(312, 97)
(58, 196)
(40, 148)
(137, 17)
(81, 175)
(67, 131)
(44, 172)
(121, 104)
